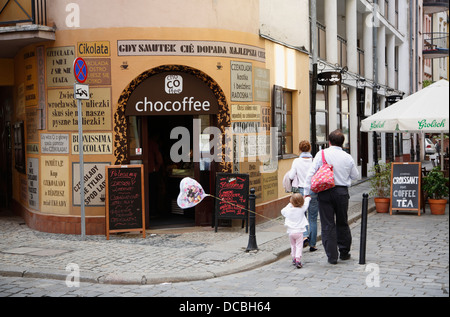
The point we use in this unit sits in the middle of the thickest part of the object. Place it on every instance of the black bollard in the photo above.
(362, 247)
(252, 236)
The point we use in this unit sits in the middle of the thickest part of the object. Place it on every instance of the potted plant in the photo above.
(435, 185)
(380, 186)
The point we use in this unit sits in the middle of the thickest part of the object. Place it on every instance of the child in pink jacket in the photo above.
(296, 223)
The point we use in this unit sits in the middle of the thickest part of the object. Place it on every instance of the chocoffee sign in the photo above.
(172, 93)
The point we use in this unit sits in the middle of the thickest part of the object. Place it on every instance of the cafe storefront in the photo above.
(203, 98)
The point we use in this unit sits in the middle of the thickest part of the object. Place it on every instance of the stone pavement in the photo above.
(183, 255)
(171, 255)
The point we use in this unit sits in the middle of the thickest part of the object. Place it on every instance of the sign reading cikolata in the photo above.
(172, 93)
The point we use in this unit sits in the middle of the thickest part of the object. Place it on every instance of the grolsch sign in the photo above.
(172, 93)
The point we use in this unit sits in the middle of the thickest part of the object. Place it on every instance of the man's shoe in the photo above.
(332, 261)
(305, 242)
(344, 257)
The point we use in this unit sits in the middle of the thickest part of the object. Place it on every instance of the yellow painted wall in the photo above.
(6, 72)
(288, 68)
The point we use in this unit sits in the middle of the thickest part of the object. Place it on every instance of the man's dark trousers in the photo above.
(336, 232)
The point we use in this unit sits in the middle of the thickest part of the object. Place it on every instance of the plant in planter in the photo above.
(380, 186)
(435, 185)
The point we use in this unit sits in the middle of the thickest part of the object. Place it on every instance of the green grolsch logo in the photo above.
(377, 125)
(435, 124)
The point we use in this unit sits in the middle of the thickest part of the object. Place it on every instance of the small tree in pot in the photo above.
(435, 185)
(380, 186)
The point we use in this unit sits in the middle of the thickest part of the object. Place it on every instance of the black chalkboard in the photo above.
(124, 199)
(405, 186)
(232, 192)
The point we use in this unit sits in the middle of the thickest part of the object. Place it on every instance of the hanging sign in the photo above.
(329, 78)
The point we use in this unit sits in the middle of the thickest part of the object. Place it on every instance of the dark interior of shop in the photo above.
(165, 181)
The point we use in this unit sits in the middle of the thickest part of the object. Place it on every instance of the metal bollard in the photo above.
(252, 236)
(362, 247)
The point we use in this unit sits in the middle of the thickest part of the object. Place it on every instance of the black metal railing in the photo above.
(435, 40)
(16, 11)
(436, 2)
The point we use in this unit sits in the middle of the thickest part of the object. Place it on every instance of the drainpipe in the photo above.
(411, 75)
(375, 76)
(417, 45)
(313, 13)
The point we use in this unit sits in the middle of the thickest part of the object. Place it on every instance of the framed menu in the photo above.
(125, 202)
(232, 192)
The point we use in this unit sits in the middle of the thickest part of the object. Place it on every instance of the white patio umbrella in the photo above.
(424, 111)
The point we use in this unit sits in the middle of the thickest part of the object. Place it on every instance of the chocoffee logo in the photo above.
(173, 93)
(173, 84)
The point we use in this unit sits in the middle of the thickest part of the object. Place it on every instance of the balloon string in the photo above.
(227, 202)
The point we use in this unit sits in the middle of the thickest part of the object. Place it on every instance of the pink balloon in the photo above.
(191, 193)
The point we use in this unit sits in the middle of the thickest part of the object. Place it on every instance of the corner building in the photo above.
(154, 68)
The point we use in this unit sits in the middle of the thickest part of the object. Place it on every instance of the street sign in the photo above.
(81, 91)
(80, 70)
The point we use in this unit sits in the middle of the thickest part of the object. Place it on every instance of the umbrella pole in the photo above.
(441, 152)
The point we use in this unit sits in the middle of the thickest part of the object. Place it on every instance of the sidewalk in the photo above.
(171, 255)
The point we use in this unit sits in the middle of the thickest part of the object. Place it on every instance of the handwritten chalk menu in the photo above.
(405, 186)
(232, 192)
(125, 209)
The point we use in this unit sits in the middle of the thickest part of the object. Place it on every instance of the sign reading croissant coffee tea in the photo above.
(172, 93)
(405, 186)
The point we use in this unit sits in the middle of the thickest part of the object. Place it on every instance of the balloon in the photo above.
(191, 193)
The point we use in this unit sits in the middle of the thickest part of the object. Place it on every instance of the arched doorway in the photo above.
(152, 105)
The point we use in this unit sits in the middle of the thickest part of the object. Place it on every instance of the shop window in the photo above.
(19, 147)
(282, 117)
(321, 119)
(344, 116)
(135, 137)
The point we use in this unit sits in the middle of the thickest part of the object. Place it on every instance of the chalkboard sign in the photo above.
(232, 191)
(125, 209)
(405, 186)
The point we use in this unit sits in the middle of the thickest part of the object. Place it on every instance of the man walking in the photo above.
(333, 203)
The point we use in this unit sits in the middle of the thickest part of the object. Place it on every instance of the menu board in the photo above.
(125, 209)
(405, 186)
(232, 191)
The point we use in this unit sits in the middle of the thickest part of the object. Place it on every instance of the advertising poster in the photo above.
(63, 115)
(54, 184)
(94, 184)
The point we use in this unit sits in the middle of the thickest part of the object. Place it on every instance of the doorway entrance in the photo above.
(149, 109)
(164, 172)
(6, 102)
